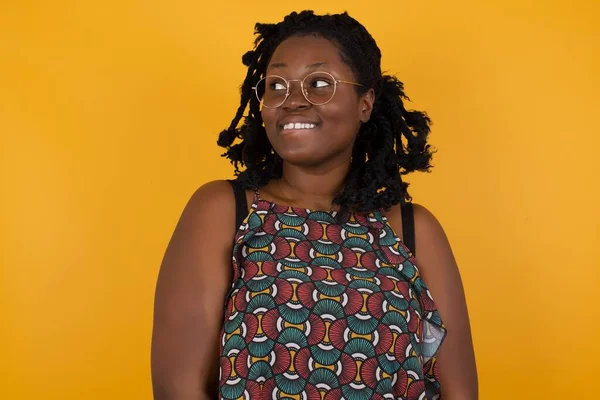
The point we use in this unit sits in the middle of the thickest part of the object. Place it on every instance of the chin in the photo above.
(303, 158)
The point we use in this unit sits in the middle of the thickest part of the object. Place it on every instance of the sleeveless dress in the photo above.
(323, 309)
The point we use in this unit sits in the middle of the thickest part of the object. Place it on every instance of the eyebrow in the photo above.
(311, 66)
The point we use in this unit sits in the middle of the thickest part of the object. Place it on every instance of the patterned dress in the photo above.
(323, 309)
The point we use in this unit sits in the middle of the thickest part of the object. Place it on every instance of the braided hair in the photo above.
(391, 144)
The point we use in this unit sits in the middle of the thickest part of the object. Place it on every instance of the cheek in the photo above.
(270, 123)
(342, 118)
(339, 112)
(268, 116)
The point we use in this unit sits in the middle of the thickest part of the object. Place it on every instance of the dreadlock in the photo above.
(391, 144)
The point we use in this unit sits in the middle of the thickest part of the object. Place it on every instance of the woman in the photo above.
(323, 298)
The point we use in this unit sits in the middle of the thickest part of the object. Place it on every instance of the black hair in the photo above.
(391, 144)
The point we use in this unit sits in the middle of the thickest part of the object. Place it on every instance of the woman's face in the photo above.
(336, 123)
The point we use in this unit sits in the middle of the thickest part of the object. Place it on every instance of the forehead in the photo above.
(298, 53)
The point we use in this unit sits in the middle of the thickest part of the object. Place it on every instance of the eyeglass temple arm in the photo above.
(352, 83)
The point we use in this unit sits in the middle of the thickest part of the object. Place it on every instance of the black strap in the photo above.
(241, 204)
(408, 227)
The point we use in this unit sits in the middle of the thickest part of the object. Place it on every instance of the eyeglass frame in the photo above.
(304, 92)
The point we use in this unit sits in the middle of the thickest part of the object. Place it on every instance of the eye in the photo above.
(277, 86)
(320, 83)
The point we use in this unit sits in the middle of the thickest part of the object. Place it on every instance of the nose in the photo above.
(296, 99)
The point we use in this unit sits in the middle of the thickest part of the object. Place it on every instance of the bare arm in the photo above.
(456, 358)
(194, 278)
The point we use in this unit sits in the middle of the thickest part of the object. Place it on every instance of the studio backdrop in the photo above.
(109, 116)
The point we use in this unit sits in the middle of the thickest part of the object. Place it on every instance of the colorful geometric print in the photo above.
(320, 309)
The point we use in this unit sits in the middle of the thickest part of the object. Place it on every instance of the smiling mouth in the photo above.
(298, 126)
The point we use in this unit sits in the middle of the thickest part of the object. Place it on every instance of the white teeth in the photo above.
(298, 125)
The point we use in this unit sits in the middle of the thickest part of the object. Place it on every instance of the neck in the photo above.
(313, 188)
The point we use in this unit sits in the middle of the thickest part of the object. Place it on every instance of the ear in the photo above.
(366, 105)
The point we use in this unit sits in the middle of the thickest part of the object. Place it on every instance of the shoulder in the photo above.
(205, 228)
(427, 227)
(215, 195)
(435, 258)
(431, 240)
(212, 204)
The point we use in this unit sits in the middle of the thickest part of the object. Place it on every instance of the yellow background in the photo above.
(109, 113)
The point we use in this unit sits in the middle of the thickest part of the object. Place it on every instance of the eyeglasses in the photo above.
(318, 88)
